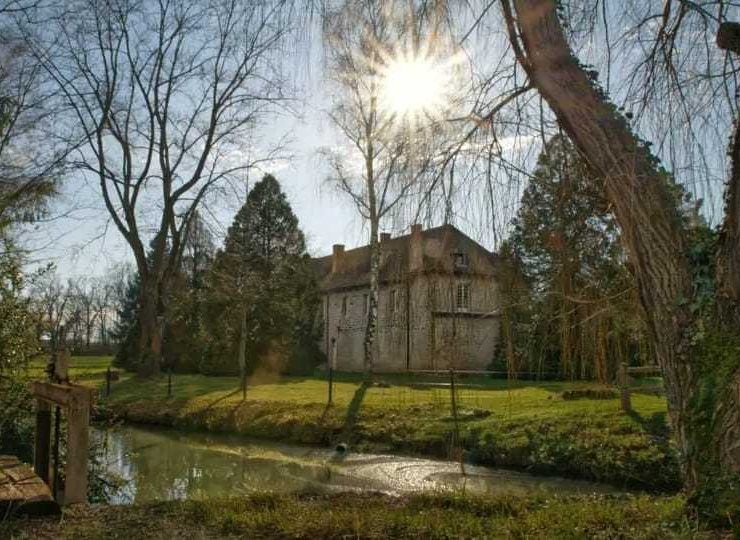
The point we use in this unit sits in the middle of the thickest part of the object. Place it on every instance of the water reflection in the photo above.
(161, 464)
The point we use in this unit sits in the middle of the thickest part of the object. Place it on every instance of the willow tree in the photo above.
(582, 313)
(603, 72)
(161, 96)
(689, 290)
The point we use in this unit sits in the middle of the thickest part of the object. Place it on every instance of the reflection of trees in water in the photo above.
(162, 467)
(170, 465)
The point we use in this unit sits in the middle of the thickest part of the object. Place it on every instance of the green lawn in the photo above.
(525, 425)
(82, 369)
(374, 516)
(522, 425)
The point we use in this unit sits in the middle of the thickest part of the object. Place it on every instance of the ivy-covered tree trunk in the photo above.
(703, 393)
(728, 255)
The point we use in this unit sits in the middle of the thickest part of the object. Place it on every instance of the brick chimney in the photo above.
(416, 249)
(337, 251)
(384, 237)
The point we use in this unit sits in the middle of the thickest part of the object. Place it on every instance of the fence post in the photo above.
(169, 381)
(457, 451)
(624, 389)
(332, 362)
(43, 440)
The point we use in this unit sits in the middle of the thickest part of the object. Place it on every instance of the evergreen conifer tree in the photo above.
(125, 331)
(583, 315)
(262, 286)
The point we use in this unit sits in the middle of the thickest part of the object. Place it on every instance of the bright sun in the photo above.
(414, 86)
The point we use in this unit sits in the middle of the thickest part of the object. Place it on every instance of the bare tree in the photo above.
(102, 304)
(84, 294)
(386, 156)
(51, 299)
(161, 94)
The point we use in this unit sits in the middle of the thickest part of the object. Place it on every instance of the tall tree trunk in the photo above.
(150, 337)
(373, 211)
(728, 255)
(652, 233)
(372, 317)
(243, 353)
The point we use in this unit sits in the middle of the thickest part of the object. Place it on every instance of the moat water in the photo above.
(163, 464)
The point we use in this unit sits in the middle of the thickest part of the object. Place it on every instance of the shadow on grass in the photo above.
(215, 402)
(353, 410)
(656, 424)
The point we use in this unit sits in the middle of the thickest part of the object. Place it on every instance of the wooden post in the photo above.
(453, 404)
(55, 451)
(331, 384)
(169, 381)
(75, 487)
(332, 362)
(624, 389)
(61, 366)
(76, 401)
(43, 440)
(456, 450)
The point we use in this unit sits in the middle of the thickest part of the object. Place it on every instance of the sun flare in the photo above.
(414, 86)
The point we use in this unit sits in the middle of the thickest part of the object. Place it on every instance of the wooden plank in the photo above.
(21, 491)
(75, 472)
(43, 440)
(66, 395)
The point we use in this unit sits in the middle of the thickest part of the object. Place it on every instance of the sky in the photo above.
(79, 238)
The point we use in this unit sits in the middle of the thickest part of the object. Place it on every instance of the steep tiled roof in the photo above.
(354, 267)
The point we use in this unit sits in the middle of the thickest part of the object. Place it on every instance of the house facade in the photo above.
(438, 303)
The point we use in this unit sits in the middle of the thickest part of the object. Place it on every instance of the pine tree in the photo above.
(125, 332)
(261, 284)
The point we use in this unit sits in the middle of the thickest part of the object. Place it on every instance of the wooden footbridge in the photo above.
(22, 491)
(39, 490)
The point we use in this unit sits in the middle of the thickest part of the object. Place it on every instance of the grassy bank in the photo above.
(374, 516)
(522, 425)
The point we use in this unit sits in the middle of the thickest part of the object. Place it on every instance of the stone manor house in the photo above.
(438, 306)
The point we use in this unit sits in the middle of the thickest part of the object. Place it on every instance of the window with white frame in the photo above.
(462, 298)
